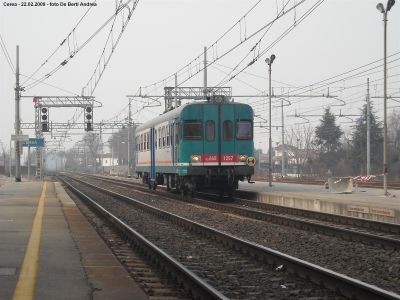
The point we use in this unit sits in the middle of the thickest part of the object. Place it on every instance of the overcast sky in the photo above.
(165, 35)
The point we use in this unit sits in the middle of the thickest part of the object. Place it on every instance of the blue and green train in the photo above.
(200, 145)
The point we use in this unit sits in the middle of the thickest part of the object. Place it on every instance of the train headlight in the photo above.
(251, 161)
(242, 158)
(194, 158)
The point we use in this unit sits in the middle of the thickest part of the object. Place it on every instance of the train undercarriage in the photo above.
(222, 180)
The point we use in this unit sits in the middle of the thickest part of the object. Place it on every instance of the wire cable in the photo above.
(6, 54)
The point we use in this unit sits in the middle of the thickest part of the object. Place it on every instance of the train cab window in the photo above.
(210, 130)
(244, 130)
(227, 130)
(192, 130)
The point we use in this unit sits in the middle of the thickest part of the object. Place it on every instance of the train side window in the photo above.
(159, 137)
(148, 141)
(177, 133)
(168, 132)
(141, 142)
(192, 130)
(163, 136)
(155, 138)
(244, 130)
(227, 130)
(210, 130)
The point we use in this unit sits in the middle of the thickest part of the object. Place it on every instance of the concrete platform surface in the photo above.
(367, 203)
(49, 250)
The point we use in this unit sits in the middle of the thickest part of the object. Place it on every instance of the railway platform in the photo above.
(368, 203)
(49, 250)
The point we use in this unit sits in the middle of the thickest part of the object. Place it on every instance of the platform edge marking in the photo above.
(25, 287)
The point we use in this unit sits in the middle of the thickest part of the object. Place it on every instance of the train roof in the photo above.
(173, 114)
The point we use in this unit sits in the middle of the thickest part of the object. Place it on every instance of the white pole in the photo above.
(368, 131)
(205, 72)
(385, 165)
(283, 141)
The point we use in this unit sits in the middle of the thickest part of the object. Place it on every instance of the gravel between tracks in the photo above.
(237, 276)
(370, 264)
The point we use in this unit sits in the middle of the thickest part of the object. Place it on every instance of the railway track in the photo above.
(347, 286)
(374, 184)
(197, 287)
(386, 235)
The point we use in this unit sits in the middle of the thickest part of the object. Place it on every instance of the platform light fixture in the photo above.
(269, 61)
(384, 11)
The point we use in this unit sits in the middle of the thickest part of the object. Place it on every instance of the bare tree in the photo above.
(300, 147)
(92, 143)
(119, 145)
(394, 144)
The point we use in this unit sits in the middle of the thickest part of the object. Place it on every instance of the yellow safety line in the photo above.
(25, 288)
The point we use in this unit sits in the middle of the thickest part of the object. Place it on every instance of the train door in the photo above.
(176, 144)
(227, 123)
(152, 182)
(211, 128)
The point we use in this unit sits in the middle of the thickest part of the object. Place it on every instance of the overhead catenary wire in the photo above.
(65, 61)
(7, 55)
(276, 41)
(188, 66)
(60, 45)
(114, 44)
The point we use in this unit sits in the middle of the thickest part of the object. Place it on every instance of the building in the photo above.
(108, 160)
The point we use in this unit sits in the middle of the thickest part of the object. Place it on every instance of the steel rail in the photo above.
(373, 184)
(198, 287)
(331, 230)
(347, 286)
(386, 227)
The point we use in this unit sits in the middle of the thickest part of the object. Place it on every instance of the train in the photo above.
(201, 145)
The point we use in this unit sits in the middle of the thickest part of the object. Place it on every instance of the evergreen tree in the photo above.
(328, 133)
(327, 139)
(359, 144)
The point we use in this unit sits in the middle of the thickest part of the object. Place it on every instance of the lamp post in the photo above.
(269, 61)
(384, 11)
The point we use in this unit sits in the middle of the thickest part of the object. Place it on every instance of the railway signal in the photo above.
(88, 118)
(44, 119)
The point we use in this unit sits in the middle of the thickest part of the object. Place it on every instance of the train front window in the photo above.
(192, 130)
(227, 130)
(244, 130)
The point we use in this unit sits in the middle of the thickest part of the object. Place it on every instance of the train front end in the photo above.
(216, 149)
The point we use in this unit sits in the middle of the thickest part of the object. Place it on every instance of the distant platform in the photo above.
(367, 203)
(49, 250)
